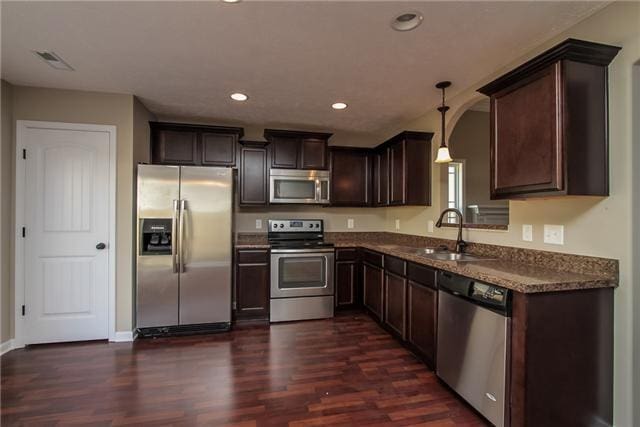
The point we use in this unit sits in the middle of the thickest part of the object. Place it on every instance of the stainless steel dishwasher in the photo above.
(473, 343)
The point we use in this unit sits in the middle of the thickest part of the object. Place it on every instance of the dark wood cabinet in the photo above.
(253, 174)
(373, 284)
(350, 176)
(395, 303)
(297, 149)
(347, 278)
(549, 124)
(193, 145)
(422, 303)
(381, 177)
(252, 284)
(402, 170)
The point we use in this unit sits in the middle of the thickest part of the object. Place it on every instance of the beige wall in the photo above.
(6, 197)
(593, 226)
(43, 104)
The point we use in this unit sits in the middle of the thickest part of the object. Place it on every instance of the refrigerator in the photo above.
(184, 221)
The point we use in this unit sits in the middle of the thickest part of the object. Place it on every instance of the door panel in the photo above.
(157, 282)
(176, 147)
(66, 214)
(218, 149)
(395, 302)
(373, 281)
(284, 153)
(253, 176)
(313, 154)
(205, 245)
(421, 320)
(397, 173)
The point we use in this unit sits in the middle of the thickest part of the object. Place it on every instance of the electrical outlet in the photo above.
(258, 224)
(397, 224)
(350, 223)
(430, 226)
(527, 232)
(554, 234)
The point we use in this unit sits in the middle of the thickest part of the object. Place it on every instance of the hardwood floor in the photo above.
(341, 371)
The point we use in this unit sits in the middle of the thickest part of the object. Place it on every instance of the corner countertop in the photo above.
(522, 270)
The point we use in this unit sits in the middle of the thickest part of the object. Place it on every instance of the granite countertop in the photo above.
(522, 270)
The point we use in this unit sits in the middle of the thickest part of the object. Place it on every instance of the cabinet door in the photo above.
(526, 139)
(373, 284)
(253, 175)
(172, 147)
(313, 154)
(252, 285)
(395, 302)
(346, 277)
(418, 172)
(284, 153)
(218, 149)
(397, 173)
(421, 319)
(381, 178)
(350, 177)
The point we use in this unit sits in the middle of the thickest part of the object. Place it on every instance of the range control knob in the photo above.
(281, 225)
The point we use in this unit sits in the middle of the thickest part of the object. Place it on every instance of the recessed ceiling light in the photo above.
(239, 96)
(339, 106)
(406, 21)
(231, 1)
(53, 60)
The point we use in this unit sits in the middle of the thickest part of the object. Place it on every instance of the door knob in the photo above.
(101, 246)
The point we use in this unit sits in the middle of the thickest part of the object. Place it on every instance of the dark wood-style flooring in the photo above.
(341, 371)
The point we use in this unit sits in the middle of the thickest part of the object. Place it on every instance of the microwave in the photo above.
(299, 186)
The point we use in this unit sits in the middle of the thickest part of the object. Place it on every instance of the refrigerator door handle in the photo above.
(174, 237)
(181, 238)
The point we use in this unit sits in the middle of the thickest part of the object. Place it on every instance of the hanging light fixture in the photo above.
(443, 152)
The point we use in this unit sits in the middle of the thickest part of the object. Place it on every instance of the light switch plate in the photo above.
(258, 224)
(350, 223)
(430, 226)
(527, 232)
(554, 234)
(397, 224)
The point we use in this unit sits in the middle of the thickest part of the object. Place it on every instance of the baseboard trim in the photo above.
(123, 336)
(6, 346)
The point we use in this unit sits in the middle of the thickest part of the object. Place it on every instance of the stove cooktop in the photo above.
(300, 244)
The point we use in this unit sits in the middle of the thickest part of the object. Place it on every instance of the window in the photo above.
(454, 198)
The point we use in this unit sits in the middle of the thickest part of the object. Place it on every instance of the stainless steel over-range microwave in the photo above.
(299, 186)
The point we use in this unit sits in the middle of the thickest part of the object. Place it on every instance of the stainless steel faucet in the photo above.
(460, 244)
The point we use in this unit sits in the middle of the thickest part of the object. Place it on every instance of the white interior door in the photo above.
(66, 209)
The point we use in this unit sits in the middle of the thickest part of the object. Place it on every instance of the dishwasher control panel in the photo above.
(484, 294)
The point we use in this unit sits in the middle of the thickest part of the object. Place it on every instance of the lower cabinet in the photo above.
(395, 302)
(252, 284)
(347, 278)
(422, 306)
(373, 280)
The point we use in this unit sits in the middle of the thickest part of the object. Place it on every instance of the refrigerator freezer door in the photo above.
(157, 290)
(205, 245)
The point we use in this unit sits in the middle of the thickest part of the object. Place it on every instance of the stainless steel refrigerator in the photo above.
(184, 249)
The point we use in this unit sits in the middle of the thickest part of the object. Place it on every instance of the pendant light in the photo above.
(443, 152)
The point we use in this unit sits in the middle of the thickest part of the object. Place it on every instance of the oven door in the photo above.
(301, 272)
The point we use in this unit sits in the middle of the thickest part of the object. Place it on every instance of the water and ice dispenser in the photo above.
(156, 236)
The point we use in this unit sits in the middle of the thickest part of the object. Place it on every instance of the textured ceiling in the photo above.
(294, 59)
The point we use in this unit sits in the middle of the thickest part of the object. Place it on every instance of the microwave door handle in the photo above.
(318, 191)
(174, 237)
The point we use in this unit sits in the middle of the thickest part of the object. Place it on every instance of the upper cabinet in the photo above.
(350, 176)
(297, 150)
(402, 170)
(549, 124)
(193, 145)
(253, 174)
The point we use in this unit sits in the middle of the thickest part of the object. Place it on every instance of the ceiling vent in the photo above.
(53, 60)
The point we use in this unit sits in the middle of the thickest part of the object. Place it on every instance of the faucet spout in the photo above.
(460, 244)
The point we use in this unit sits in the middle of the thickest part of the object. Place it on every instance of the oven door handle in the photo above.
(302, 251)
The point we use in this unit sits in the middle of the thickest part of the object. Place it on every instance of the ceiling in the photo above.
(293, 59)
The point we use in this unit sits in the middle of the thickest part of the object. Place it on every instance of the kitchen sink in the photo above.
(452, 256)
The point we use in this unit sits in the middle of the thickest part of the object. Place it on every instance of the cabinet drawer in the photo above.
(422, 275)
(350, 254)
(258, 256)
(373, 258)
(395, 265)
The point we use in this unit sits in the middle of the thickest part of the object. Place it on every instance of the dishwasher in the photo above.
(474, 342)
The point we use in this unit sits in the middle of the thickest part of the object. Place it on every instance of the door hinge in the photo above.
(24, 153)
(23, 310)
(24, 231)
